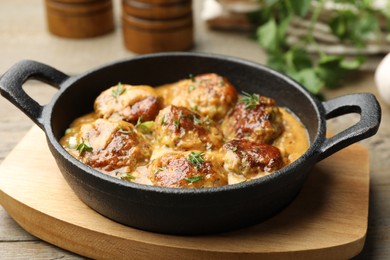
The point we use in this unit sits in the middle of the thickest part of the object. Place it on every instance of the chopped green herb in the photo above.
(127, 177)
(196, 159)
(197, 121)
(162, 168)
(84, 146)
(194, 179)
(177, 121)
(250, 100)
(123, 131)
(162, 120)
(205, 123)
(222, 83)
(208, 122)
(119, 90)
(354, 23)
(145, 127)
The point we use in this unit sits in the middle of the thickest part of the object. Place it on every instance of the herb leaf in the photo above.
(119, 90)
(197, 121)
(196, 159)
(250, 100)
(268, 34)
(145, 127)
(194, 179)
(177, 121)
(206, 122)
(357, 24)
(162, 168)
(300, 7)
(125, 176)
(84, 146)
(123, 131)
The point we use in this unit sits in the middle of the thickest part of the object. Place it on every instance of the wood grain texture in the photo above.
(33, 250)
(328, 219)
(80, 20)
(145, 30)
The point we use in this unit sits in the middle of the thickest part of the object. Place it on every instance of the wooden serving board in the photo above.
(327, 220)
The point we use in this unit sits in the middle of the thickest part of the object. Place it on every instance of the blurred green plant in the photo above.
(319, 69)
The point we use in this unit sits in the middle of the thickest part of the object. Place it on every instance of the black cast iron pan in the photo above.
(185, 211)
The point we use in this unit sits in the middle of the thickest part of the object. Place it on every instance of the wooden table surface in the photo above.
(24, 35)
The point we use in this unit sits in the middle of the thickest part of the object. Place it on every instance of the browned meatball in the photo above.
(128, 103)
(255, 118)
(181, 129)
(108, 145)
(187, 170)
(207, 94)
(251, 159)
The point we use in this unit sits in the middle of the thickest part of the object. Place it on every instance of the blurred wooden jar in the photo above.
(79, 18)
(157, 25)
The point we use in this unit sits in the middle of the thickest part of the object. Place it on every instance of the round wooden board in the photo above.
(327, 220)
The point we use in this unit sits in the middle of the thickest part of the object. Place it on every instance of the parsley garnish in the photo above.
(250, 100)
(196, 159)
(304, 60)
(205, 123)
(208, 122)
(197, 121)
(162, 168)
(84, 146)
(177, 121)
(126, 176)
(194, 179)
(119, 90)
(123, 131)
(145, 127)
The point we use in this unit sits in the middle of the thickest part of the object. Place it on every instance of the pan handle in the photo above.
(364, 104)
(11, 83)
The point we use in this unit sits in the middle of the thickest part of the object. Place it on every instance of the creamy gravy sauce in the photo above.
(294, 140)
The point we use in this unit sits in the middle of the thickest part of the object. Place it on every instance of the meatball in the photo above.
(251, 159)
(207, 94)
(187, 170)
(128, 103)
(255, 118)
(181, 129)
(108, 145)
